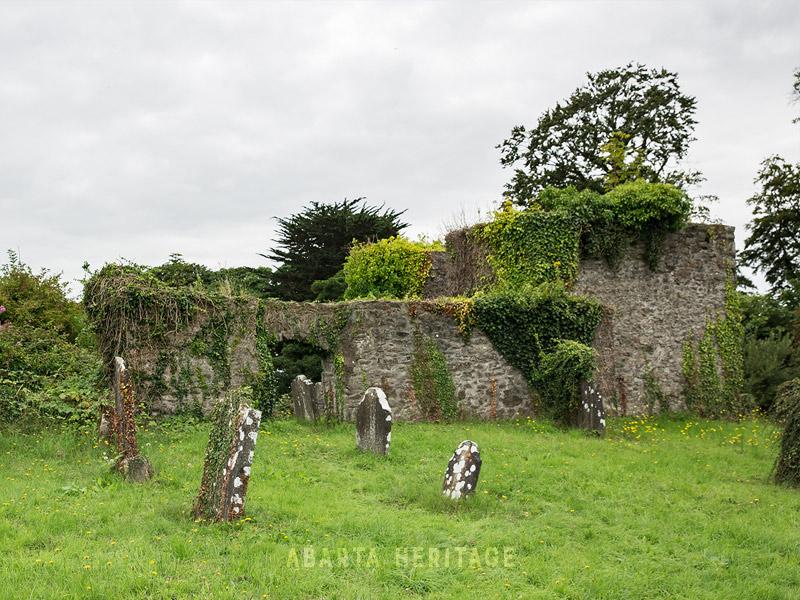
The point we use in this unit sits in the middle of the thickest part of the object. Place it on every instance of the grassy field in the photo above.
(657, 509)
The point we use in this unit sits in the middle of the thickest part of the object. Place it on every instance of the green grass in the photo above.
(660, 509)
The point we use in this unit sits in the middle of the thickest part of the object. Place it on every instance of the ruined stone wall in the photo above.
(648, 314)
(654, 312)
(376, 343)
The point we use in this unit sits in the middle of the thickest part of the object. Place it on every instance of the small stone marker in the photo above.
(461, 476)
(374, 422)
(591, 414)
(304, 399)
(229, 456)
(131, 464)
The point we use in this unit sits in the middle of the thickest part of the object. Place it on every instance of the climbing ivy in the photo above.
(524, 325)
(224, 424)
(545, 241)
(713, 367)
(434, 389)
(265, 381)
(558, 376)
(394, 267)
(134, 312)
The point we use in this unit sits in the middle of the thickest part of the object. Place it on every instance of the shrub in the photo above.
(49, 367)
(768, 363)
(38, 300)
(390, 268)
(787, 467)
(559, 375)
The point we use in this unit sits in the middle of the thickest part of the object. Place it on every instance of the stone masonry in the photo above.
(647, 317)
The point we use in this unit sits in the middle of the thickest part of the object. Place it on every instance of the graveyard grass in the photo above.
(660, 508)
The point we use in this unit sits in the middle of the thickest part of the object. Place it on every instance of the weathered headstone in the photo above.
(229, 456)
(591, 414)
(374, 422)
(105, 428)
(131, 464)
(461, 476)
(304, 399)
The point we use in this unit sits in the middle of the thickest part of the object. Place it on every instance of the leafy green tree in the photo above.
(773, 246)
(585, 141)
(312, 245)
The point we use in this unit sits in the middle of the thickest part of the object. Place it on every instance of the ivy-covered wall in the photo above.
(649, 314)
(437, 358)
(186, 348)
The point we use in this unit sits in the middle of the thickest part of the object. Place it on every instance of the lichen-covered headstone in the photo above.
(131, 464)
(304, 399)
(374, 422)
(591, 414)
(229, 456)
(461, 476)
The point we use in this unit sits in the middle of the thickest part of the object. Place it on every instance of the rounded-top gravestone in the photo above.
(374, 422)
(461, 476)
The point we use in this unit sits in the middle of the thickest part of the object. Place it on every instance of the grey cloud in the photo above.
(141, 129)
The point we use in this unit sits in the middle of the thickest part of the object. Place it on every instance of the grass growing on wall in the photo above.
(658, 509)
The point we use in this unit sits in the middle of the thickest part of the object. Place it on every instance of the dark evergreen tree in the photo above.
(312, 245)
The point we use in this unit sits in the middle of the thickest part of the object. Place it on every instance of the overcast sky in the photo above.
(137, 130)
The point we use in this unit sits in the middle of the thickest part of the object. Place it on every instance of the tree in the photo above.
(313, 244)
(773, 246)
(585, 142)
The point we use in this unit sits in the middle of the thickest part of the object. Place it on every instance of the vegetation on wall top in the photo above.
(544, 242)
(390, 268)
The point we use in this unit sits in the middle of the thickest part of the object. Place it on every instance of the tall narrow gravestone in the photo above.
(591, 414)
(131, 464)
(374, 422)
(461, 476)
(304, 399)
(229, 456)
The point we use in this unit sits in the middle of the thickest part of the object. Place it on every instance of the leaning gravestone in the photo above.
(229, 456)
(374, 422)
(591, 414)
(461, 476)
(131, 464)
(304, 399)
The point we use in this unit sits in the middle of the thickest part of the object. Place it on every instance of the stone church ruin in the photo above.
(186, 351)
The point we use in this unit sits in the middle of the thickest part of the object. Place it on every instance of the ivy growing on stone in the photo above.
(558, 376)
(434, 389)
(545, 241)
(713, 366)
